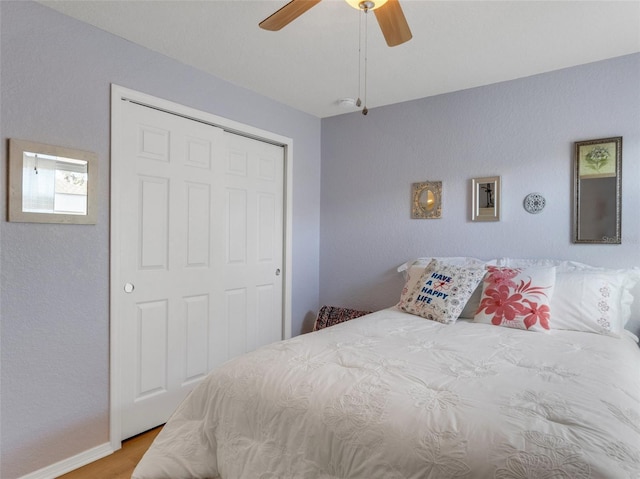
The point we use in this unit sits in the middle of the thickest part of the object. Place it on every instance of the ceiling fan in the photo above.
(388, 13)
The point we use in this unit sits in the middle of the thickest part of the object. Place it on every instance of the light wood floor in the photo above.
(120, 464)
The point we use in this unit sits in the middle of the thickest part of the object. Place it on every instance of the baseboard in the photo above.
(72, 463)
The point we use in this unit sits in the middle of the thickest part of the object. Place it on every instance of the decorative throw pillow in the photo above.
(331, 315)
(412, 276)
(442, 291)
(593, 301)
(630, 285)
(517, 298)
(414, 269)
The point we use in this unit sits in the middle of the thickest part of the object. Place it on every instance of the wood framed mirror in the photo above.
(51, 184)
(485, 198)
(597, 191)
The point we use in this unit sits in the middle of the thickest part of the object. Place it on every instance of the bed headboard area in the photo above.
(581, 298)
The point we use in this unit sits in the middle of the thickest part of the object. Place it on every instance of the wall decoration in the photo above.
(485, 199)
(51, 184)
(598, 191)
(597, 160)
(426, 200)
(534, 203)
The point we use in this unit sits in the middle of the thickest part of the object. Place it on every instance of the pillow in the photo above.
(517, 297)
(413, 270)
(473, 303)
(442, 291)
(536, 263)
(596, 301)
(456, 260)
(330, 315)
(631, 308)
(412, 276)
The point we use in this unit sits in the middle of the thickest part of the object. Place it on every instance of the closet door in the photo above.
(251, 298)
(200, 242)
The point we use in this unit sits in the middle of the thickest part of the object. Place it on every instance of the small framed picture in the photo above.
(485, 199)
(598, 158)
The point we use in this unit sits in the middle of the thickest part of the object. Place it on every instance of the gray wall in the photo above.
(522, 130)
(54, 302)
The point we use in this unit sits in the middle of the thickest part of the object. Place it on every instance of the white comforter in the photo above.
(391, 395)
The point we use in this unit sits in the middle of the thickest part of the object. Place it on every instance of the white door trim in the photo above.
(118, 94)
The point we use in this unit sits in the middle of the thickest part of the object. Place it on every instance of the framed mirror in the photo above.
(51, 184)
(426, 200)
(598, 195)
(485, 199)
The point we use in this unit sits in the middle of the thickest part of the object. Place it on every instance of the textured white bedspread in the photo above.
(391, 395)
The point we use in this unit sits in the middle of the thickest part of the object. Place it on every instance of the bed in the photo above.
(393, 394)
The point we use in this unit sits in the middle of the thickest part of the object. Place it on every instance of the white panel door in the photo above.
(200, 245)
(253, 224)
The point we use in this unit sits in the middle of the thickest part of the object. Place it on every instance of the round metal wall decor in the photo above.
(534, 203)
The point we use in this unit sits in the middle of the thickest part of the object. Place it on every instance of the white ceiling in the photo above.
(313, 62)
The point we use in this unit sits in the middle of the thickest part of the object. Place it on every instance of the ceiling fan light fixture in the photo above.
(366, 4)
(390, 18)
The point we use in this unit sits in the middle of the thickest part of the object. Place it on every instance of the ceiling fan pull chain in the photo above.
(365, 110)
(358, 101)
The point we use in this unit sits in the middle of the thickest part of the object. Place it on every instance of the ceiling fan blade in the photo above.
(393, 24)
(287, 14)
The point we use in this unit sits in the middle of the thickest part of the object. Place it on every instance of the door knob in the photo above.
(128, 288)
(278, 272)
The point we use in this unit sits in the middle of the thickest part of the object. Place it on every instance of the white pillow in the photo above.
(565, 266)
(629, 308)
(517, 297)
(411, 275)
(455, 260)
(473, 303)
(536, 263)
(442, 291)
(596, 301)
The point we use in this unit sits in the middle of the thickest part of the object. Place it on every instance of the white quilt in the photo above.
(391, 395)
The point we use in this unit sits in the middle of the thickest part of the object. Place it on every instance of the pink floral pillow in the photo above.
(517, 297)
